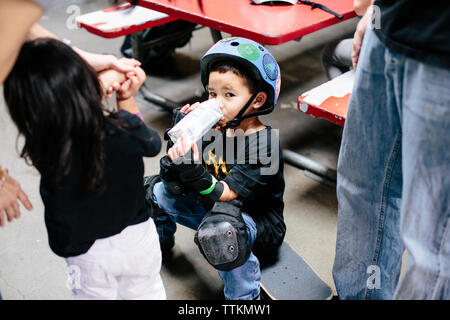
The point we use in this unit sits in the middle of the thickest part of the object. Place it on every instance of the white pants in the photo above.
(124, 266)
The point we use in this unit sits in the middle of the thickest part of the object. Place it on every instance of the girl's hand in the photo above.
(110, 81)
(134, 81)
(188, 108)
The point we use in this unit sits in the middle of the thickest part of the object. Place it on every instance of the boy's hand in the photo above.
(182, 147)
(188, 108)
(134, 81)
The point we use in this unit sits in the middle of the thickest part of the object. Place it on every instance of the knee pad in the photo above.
(222, 236)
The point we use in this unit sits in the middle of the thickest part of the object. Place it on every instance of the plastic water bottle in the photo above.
(196, 123)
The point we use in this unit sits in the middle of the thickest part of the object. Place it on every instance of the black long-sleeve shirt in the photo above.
(76, 218)
(416, 29)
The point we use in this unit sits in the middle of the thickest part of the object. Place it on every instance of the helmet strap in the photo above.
(239, 117)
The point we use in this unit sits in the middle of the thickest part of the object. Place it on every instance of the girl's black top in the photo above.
(76, 218)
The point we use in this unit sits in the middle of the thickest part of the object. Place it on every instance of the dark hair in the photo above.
(54, 98)
(223, 66)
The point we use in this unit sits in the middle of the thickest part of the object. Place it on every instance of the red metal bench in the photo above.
(122, 20)
(330, 100)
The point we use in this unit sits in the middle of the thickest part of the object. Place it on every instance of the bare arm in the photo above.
(128, 105)
(16, 19)
(228, 194)
(38, 31)
(360, 6)
(97, 61)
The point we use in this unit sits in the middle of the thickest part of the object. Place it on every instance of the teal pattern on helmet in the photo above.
(252, 56)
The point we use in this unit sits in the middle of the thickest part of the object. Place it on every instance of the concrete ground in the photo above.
(28, 268)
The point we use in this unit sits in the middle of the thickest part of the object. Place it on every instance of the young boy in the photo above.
(234, 196)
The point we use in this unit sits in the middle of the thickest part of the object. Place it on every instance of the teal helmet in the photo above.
(252, 56)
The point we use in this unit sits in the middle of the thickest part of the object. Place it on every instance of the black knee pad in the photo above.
(222, 236)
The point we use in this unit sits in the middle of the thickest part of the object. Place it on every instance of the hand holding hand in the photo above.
(110, 81)
(134, 81)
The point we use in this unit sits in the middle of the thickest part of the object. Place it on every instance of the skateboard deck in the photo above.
(291, 278)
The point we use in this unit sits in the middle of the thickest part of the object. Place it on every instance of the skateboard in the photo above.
(289, 277)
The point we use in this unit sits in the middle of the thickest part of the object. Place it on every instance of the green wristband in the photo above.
(211, 188)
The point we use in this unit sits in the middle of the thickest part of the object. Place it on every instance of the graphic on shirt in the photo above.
(217, 168)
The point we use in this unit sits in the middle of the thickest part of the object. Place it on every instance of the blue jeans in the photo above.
(393, 185)
(241, 283)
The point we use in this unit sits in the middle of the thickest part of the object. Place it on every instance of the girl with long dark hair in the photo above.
(91, 167)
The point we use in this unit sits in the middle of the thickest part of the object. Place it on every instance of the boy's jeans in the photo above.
(241, 283)
(394, 180)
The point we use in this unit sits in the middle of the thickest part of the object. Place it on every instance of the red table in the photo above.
(266, 24)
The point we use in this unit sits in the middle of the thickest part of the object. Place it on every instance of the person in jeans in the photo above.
(393, 183)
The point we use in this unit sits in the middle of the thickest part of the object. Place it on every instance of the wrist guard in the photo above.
(169, 174)
(197, 178)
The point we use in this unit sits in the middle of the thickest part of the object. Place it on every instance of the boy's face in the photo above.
(231, 91)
